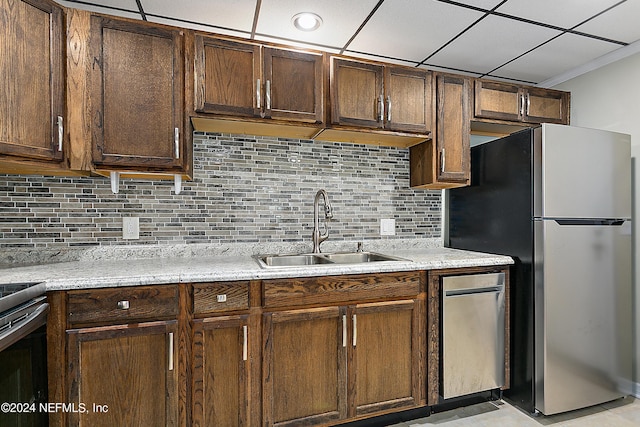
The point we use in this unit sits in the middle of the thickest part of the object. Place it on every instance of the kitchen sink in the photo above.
(270, 261)
(291, 260)
(359, 257)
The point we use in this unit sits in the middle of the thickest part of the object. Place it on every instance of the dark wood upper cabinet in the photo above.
(444, 161)
(137, 95)
(515, 103)
(380, 96)
(227, 77)
(357, 97)
(293, 85)
(453, 129)
(32, 95)
(408, 103)
(249, 80)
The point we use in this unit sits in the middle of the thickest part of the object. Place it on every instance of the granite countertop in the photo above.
(166, 269)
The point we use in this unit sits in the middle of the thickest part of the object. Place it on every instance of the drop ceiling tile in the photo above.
(340, 20)
(484, 4)
(564, 14)
(619, 23)
(199, 27)
(491, 43)
(559, 55)
(124, 8)
(235, 15)
(412, 29)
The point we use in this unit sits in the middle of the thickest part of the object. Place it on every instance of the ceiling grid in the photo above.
(513, 40)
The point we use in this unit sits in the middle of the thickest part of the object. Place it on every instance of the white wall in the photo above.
(609, 98)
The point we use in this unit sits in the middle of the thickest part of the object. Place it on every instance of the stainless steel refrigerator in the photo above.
(558, 200)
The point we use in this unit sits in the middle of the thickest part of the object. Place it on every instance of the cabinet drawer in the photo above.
(220, 297)
(123, 305)
(340, 289)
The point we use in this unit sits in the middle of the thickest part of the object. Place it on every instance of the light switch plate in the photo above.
(130, 228)
(387, 227)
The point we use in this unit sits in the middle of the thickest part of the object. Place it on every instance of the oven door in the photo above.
(23, 365)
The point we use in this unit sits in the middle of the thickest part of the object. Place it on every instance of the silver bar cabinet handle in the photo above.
(60, 133)
(176, 141)
(171, 351)
(123, 305)
(442, 160)
(344, 330)
(244, 342)
(267, 90)
(355, 330)
(380, 108)
(388, 108)
(258, 100)
(522, 105)
(528, 103)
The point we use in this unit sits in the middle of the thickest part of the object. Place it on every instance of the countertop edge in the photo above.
(78, 275)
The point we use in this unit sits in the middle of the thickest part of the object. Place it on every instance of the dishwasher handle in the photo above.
(473, 291)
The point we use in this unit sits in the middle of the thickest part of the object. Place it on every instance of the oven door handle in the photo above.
(23, 328)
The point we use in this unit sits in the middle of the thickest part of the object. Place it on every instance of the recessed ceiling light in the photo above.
(306, 21)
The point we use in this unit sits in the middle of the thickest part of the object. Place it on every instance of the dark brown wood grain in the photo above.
(125, 367)
(517, 103)
(100, 306)
(32, 93)
(408, 102)
(205, 297)
(137, 88)
(355, 91)
(57, 354)
(220, 375)
(340, 289)
(304, 371)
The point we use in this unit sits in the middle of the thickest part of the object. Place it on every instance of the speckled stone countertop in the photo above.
(211, 266)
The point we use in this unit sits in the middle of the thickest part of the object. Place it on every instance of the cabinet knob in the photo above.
(123, 305)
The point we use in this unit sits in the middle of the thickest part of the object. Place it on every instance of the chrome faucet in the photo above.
(328, 214)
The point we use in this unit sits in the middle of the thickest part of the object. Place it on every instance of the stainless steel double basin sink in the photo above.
(272, 261)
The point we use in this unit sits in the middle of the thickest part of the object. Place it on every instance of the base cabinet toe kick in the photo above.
(313, 351)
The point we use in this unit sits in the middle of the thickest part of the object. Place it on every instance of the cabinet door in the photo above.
(220, 371)
(293, 85)
(453, 129)
(304, 367)
(407, 99)
(356, 93)
(499, 101)
(137, 94)
(227, 77)
(546, 106)
(31, 76)
(384, 373)
(125, 375)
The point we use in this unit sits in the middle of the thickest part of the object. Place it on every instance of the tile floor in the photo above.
(620, 413)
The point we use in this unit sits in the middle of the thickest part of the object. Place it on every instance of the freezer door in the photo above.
(581, 173)
(583, 317)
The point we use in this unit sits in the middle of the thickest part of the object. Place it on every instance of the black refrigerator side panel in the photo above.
(494, 214)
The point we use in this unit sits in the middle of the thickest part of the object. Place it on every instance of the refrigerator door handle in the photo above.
(575, 221)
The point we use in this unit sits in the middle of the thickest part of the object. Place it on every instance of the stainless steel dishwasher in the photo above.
(472, 333)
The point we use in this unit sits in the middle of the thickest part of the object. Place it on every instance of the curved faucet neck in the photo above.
(328, 214)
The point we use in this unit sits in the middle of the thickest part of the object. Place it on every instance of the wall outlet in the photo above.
(130, 228)
(387, 227)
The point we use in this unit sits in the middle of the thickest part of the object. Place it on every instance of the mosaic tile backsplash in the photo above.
(244, 189)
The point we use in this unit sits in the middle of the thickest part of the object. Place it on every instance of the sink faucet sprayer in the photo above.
(328, 214)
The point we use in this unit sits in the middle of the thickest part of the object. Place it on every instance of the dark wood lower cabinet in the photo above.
(331, 364)
(314, 351)
(124, 375)
(220, 371)
(304, 368)
(384, 371)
